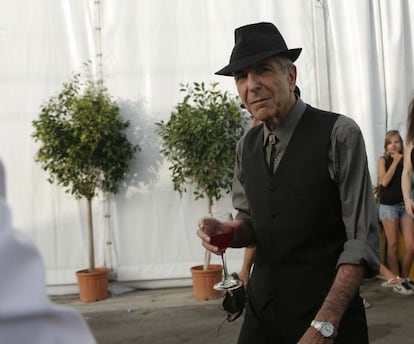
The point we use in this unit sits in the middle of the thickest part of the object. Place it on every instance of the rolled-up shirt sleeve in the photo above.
(239, 198)
(349, 168)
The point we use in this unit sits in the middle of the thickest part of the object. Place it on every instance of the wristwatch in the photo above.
(325, 328)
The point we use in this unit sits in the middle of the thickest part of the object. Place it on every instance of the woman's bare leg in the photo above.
(391, 230)
(407, 229)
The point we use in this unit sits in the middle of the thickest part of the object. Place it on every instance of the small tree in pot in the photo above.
(199, 141)
(83, 144)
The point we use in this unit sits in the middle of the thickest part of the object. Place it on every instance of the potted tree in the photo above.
(199, 141)
(84, 148)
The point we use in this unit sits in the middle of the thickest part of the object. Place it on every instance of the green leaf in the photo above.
(200, 138)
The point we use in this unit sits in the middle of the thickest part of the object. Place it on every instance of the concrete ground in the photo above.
(173, 316)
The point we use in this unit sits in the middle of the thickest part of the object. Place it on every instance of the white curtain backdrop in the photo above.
(357, 60)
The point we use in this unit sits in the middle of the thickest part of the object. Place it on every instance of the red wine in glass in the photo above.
(221, 240)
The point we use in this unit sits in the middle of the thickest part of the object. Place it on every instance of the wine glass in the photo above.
(222, 240)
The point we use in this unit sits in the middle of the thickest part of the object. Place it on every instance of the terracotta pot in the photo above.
(204, 280)
(93, 286)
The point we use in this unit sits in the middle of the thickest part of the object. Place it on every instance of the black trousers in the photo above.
(272, 324)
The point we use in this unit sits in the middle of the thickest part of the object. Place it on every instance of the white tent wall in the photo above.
(357, 59)
(370, 53)
(398, 45)
(171, 42)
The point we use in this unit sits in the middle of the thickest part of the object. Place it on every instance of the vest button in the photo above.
(272, 188)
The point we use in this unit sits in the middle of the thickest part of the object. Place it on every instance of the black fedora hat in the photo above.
(255, 42)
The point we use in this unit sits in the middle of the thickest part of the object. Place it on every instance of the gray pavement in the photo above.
(173, 316)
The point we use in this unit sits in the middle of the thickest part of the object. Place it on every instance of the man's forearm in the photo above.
(347, 282)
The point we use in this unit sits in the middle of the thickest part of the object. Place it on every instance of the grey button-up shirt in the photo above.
(348, 168)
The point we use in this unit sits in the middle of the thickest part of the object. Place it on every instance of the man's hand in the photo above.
(244, 276)
(409, 206)
(209, 226)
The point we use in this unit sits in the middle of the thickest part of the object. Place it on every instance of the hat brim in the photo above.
(247, 61)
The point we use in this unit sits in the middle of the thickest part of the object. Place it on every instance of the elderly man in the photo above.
(303, 194)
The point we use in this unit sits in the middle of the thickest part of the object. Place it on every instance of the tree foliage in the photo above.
(200, 138)
(82, 139)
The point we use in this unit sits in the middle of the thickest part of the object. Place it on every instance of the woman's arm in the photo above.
(406, 183)
(384, 176)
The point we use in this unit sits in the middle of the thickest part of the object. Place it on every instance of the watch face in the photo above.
(327, 329)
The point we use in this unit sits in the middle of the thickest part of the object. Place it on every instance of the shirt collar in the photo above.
(285, 130)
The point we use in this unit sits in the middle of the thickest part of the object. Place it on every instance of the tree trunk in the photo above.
(90, 237)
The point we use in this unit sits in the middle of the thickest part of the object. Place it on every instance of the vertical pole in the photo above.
(100, 81)
(107, 232)
(90, 235)
(321, 63)
(98, 42)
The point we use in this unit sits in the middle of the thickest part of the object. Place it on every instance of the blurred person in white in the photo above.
(26, 314)
(2, 182)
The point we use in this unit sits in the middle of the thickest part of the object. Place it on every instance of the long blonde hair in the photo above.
(410, 122)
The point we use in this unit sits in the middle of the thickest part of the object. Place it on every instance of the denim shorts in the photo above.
(392, 212)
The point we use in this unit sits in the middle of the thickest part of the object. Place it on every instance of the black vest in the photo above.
(296, 213)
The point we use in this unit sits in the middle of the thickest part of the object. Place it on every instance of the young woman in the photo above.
(392, 212)
(406, 179)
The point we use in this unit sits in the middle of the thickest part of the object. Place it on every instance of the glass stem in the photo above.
(223, 259)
